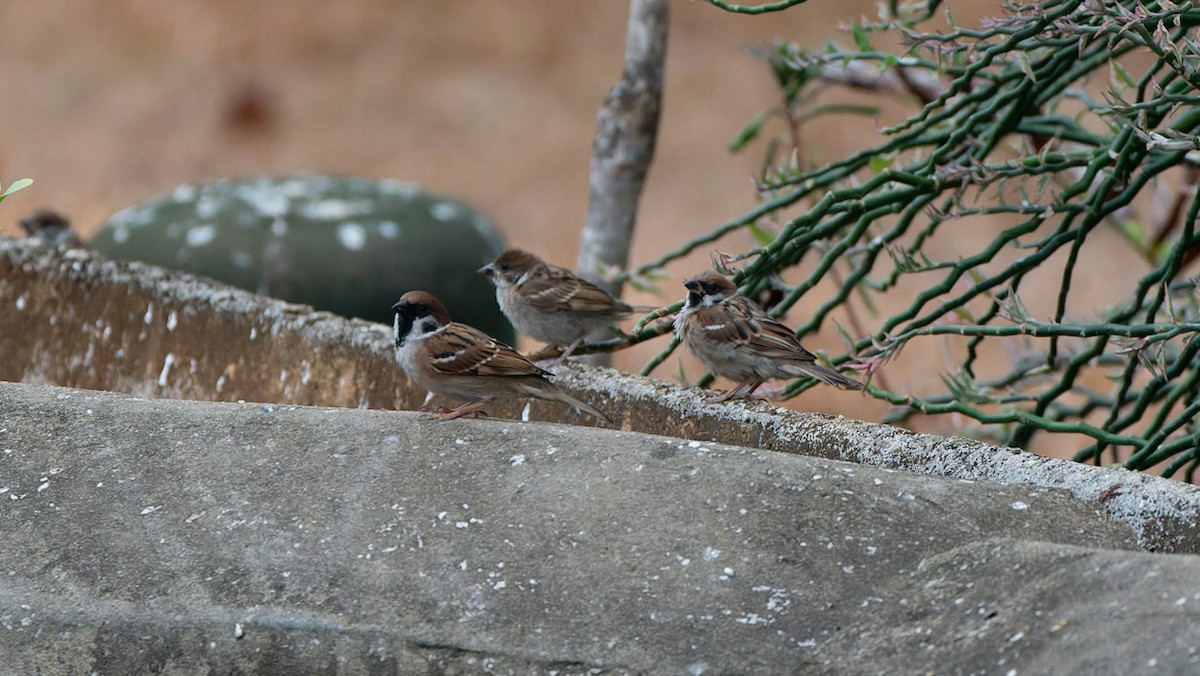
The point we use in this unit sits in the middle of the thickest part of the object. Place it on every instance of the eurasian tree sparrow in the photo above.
(551, 304)
(52, 228)
(734, 338)
(464, 364)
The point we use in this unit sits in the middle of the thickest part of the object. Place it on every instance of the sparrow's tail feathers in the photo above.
(827, 375)
(559, 395)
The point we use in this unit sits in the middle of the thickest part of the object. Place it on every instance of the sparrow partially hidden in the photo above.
(551, 304)
(734, 338)
(52, 228)
(464, 364)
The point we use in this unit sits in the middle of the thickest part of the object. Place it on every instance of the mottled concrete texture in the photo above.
(157, 535)
(76, 320)
(147, 535)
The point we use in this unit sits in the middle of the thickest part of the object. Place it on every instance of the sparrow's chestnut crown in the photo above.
(710, 283)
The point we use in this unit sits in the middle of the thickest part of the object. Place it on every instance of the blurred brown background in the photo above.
(110, 102)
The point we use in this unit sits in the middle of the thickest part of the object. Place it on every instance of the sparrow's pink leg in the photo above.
(566, 352)
(733, 392)
(467, 408)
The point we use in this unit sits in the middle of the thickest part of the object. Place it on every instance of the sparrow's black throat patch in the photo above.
(404, 324)
(406, 315)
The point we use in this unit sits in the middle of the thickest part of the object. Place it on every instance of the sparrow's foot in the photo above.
(723, 396)
(762, 396)
(548, 352)
(471, 409)
(451, 415)
(566, 353)
(741, 391)
(772, 394)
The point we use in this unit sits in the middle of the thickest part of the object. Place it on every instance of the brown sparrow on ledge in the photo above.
(551, 304)
(735, 339)
(464, 364)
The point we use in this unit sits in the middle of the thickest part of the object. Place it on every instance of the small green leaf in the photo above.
(838, 108)
(657, 274)
(761, 235)
(1025, 66)
(16, 185)
(750, 132)
(881, 162)
(644, 285)
(860, 37)
(1121, 74)
(846, 339)
(864, 297)
(1135, 231)
(964, 314)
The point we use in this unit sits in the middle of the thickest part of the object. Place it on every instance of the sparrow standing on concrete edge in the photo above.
(551, 304)
(735, 339)
(52, 228)
(462, 363)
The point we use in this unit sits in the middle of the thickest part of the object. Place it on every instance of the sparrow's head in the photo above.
(708, 288)
(49, 226)
(418, 313)
(510, 266)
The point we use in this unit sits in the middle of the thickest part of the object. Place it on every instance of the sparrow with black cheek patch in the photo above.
(734, 338)
(462, 363)
(551, 304)
(52, 228)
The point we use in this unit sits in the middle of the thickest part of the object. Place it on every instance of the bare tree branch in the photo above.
(626, 129)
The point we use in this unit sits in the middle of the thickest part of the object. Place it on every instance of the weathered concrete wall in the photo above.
(191, 537)
(195, 537)
(80, 321)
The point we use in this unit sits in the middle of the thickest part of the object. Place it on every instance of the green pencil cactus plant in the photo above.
(1043, 131)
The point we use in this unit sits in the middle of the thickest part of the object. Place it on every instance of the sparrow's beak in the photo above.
(692, 285)
(487, 270)
(399, 304)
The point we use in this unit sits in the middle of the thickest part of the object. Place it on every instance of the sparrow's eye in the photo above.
(710, 288)
(504, 266)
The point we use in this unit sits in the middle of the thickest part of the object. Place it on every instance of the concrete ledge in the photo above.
(1164, 514)
(80, 321)
(167, 536)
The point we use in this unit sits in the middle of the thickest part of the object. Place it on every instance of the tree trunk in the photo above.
(626, 129)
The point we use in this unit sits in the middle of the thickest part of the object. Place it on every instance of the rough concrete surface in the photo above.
(149, 535)
(77, 320)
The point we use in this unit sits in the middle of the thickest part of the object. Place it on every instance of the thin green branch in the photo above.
(756, 9)
(1012, 131)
